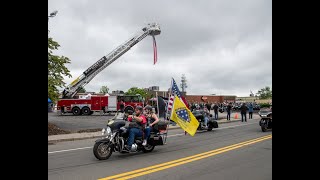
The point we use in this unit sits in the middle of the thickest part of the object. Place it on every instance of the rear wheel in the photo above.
(76, 111)
(210, 126)
(102, 150)
(86, 111)
(148, 148)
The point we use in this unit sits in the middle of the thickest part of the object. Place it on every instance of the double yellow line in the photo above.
(162, 166)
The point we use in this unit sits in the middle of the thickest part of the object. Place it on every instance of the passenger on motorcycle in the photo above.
(152, 119)
(206, 116)
(136, 126)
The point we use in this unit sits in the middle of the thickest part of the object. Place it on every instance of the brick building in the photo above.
(210, 98)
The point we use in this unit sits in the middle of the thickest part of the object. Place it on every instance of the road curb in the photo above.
(50, 142)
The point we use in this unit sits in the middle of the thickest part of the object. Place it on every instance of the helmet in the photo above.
(148, 108)
(140, 108)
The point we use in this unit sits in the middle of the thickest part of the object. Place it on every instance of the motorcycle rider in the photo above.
(152, 119)
(136, 126)
(206, 118)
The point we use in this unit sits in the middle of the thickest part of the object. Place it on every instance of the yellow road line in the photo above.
(150, 169)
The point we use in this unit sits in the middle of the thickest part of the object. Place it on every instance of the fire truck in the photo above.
(68, 104)
(105, 104)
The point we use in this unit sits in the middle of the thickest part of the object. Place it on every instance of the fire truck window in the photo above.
(135, 99)
(127, 99)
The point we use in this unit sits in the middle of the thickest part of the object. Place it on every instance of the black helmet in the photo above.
(148, 108)
(140, 108)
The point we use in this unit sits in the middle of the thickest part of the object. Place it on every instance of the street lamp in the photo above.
(53, 14)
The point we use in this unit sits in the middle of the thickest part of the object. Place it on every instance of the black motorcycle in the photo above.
(266, 119)
(116, 134)
(199, 115)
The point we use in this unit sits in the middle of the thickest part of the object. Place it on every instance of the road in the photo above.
(225, 158)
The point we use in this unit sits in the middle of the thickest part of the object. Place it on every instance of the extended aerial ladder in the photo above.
(72, 89)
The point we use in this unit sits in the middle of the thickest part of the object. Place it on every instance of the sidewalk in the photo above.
(80, 136)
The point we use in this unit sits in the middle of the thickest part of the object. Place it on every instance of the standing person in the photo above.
(208, 106)
(250, 110)
(215, 109)
(122, 104)
(243, 110)
(229, 107)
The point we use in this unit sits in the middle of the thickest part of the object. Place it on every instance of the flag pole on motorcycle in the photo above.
(174, 90)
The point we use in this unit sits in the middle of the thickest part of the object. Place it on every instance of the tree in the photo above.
(82, 90)
(135, 91)
(265, 93)
(56, 70)
(104, 89)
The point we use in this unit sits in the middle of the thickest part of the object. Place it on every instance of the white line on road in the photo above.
(69, 150)
(52, 152)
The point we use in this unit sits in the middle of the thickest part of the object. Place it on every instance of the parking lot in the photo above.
(94, 121)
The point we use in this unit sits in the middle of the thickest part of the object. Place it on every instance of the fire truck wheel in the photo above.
(128, 108)
(85, 111)
(76, 111)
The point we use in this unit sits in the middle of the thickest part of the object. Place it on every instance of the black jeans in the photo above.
(250, 115)
(245, 117)
(228, 115)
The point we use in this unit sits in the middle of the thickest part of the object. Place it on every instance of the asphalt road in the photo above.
(250, 160)
(76, 123)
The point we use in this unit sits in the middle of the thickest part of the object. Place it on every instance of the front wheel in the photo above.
(102, 150)
(148, 148)
(263, 127)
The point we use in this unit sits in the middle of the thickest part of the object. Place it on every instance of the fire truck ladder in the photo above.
(72, 89)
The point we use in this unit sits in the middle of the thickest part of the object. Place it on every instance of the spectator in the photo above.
(250, 110)
(229, 107)
(215, 109)
(122, 105)
(243, 110)
(208, 106)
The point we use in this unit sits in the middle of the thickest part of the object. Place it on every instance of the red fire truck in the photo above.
(105, 104)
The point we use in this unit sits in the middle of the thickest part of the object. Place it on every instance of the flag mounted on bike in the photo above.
(184, 117)
(175, 92)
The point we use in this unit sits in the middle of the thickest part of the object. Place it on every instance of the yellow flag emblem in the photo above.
(184, 117)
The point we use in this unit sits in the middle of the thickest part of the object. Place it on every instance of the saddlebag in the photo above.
(156, 140)
(215, 124)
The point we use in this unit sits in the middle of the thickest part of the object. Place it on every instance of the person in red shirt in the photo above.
(136, 126)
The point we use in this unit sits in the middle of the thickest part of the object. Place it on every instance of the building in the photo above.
(117, 92)
(210, 98)
(252, 99)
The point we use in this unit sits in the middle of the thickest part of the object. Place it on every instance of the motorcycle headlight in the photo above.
(103, 131)
(108, 131)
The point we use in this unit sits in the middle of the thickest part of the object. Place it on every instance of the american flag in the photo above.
(174, 91)
(155, 53)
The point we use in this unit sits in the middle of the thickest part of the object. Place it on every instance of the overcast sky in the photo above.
(222, 46)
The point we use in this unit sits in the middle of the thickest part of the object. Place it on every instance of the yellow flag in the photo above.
(184, 117)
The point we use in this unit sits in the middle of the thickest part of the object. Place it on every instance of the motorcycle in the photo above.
(116, 134)
(266, 119)
(200, 115)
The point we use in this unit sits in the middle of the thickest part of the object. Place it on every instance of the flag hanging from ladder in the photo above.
(155, 53)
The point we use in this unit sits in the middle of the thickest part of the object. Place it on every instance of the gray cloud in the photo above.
(223, 47)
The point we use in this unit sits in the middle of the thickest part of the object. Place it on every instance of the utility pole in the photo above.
(183, 84)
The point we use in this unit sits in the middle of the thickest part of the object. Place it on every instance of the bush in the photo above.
(264, 105)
